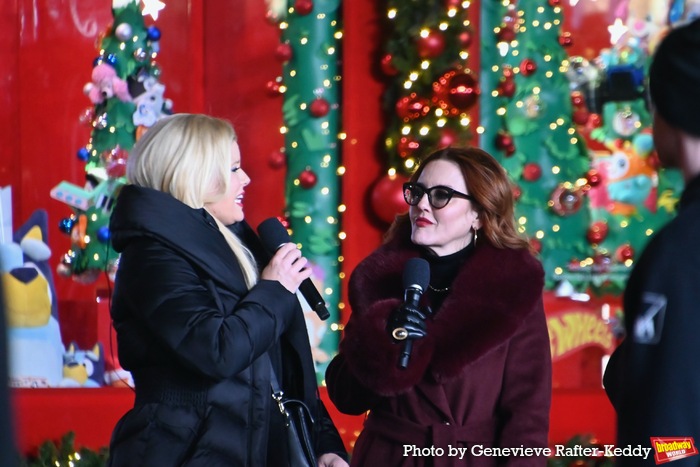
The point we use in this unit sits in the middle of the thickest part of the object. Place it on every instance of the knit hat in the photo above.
(674, 78)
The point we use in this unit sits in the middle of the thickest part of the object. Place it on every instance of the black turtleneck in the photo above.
(443, 270)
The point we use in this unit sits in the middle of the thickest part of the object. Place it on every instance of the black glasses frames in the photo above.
(438, 196)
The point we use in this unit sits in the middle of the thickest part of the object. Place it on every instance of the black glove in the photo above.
(407, 322)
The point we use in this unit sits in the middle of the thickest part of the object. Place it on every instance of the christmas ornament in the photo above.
(87, 116)
(577, 99)
(624, 253)
(626, 122)
(536, 245)
(506, 34)
(532, 172)
(83, 154)
(597, 232)
(594, 121)
(528, 67)
(581, 72)
(565, 201)
(103, 234)
(307, 179)
(66, 225)
(407, 146)
(277, 160)
(565, 39)
(506, 87)
(388, 65)
(504, 140)
(580, 116)
(303, 7)
(123, 32)
(153, 33)
(601, 262)
(283, 52)
(319, 107)
(430, 45)
(273, 88)
(593, 177)
(386, 197)
(448, 137)
(465, 39)
(554, 3)
(140, 55)
(456, 91)
(411, 107)
(517, 192)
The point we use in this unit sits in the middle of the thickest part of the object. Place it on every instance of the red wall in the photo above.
(216, 57)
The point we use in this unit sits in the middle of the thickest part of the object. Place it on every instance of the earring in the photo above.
(475, 235)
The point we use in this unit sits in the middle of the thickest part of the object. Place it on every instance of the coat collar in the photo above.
(146, 213)
(493, 292)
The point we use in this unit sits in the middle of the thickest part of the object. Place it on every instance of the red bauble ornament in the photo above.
(597, 232)
(453, 3)
(448, 137)
(431, 45)
(536, 245)
(577, 99)
(307, 179)
(465, 39)
(554, 3)
(411, 107)
(388, 65)
(303, 7)
(277, 160)
(565, 201)
(594, 121)
(273, 88)
(456, 92)
(517, 192)
(594, 178)
(387, 197)
(580, 116)
(504, 140)
(407, 146)
(508, 71)
(506, 34)
(506, 88)
(565, 40)
(528, 67)
(283, 53)
(319, 107)
(624, 252)
(532, 172)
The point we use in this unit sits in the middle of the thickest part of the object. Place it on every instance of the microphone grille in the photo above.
(273, 234)
(416, 272)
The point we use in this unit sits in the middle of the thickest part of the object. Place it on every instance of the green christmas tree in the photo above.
(127, 98)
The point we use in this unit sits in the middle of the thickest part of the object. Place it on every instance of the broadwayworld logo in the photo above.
(673, 449)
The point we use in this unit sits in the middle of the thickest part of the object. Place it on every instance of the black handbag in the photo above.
(298, 424)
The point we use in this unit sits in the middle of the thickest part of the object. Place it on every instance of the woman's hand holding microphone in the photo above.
(288, 267)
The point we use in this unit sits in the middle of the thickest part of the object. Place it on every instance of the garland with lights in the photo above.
(127, 98)
(309, 40)
(65, 455)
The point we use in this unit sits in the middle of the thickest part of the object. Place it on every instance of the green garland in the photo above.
(65, 455)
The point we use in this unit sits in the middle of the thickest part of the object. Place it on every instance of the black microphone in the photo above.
(416, 276)
(274, 235)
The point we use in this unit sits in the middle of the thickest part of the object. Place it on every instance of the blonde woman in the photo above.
(198, 327)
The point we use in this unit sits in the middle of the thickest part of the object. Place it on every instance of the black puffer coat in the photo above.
(200, 346)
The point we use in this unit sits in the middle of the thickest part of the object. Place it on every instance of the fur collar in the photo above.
(494, 291)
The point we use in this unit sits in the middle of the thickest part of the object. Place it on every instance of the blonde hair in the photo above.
(188, 156)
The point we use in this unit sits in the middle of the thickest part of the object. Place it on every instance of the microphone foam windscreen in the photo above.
(416, 273)
(273, 234)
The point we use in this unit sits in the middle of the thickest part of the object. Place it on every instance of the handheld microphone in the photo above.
(416, 276)
(274, 235)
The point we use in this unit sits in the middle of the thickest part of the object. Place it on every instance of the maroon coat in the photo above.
(481, 376)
